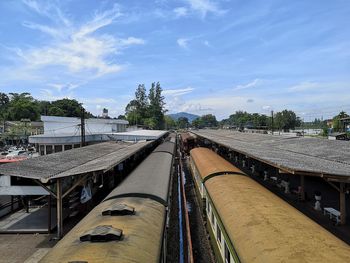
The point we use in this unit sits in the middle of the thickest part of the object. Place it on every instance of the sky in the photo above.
(210, 56)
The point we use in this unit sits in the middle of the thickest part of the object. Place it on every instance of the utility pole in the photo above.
(303, 127)
(82, 127)
(272, 122)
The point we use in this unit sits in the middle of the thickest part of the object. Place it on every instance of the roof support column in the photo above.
(49, 214)
(302, 188)
(59, 209)
(342, 204)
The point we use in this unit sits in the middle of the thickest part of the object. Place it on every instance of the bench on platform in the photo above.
(333, 213)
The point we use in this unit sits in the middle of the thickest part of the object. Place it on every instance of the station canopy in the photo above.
(297, 155)
(93, 158)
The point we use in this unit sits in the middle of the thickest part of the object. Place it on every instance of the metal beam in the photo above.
(74, 185)
(333, 185)
(342, 204)
(302, 184)
(49, 213)
(46, 188)
(59, 209)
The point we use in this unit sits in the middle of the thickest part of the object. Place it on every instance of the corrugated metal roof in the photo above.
(209, 163)
(264, 228)
(141, 242)
(91, 158)
(296, 154)
(150, 179)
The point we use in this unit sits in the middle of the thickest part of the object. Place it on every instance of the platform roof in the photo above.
(93, 158)
(300, 155)
(137, 135)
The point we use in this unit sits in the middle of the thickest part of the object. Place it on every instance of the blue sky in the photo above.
(210, 56)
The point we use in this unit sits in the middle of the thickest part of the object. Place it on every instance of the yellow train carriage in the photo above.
(248, 223)
(130, 224)
(205, 164)
(142, 232)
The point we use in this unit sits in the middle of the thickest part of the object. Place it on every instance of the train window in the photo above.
(212, 218)
(218, 234)
(227, 255)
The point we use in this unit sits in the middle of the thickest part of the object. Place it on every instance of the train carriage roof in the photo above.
(141, 240)
(168, 147)
(209, 163)
(264, 228)
(150, 179)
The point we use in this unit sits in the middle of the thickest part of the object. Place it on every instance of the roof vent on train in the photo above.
(119, 210)
(102, 233)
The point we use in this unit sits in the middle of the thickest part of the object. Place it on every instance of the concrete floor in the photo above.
(28, 248)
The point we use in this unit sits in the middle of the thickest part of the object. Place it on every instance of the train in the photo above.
(130, 224)
(248, 223)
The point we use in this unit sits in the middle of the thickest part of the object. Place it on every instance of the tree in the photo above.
(156, 108)
(22, 106)
(55, 111)
(141, 101)
(182, 123)
(197, 123)
(121, 117)
(70, 108)
(209, 120)
(4, 102)
(337, 123)
(132, 114)
(169, 123)
(286, 120)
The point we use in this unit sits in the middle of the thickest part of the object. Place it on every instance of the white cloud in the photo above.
(131, 41)
(206, 42)
(180, 11)
(60, 86)
(47, 9)
(57, 33)
(97, 100)
(251, 84)
(78, 49)
(183, 42)
(205, 6)
(304, 86)
(177, 92)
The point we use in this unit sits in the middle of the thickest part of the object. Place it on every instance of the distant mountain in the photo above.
(189, 116)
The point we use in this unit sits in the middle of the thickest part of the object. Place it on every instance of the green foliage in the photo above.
(315, 124)
(169, 122)
(22, 106)
(325, 131)
(242, 118)
(182, 123)
(17, 106)
(19, 130)
(147, 110)
(286, 120)
(204, 121)
(337, 123)
(55, 111)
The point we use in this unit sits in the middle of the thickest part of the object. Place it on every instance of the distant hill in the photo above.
(189, 116)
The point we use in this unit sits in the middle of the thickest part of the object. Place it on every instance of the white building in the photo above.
(63, 133)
